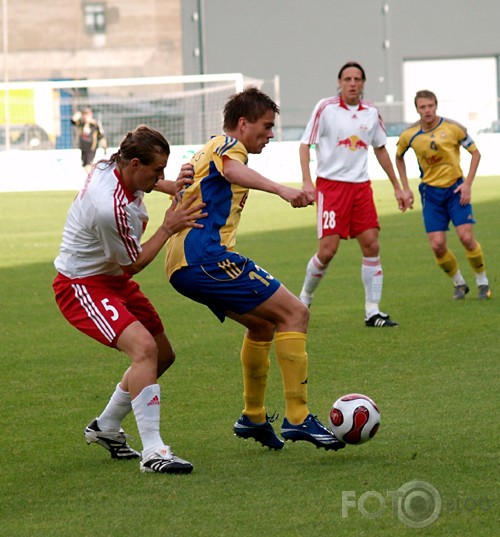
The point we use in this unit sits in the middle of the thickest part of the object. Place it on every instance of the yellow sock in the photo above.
(448, 263)
(255, 363)
(292, 359)
(476, 259)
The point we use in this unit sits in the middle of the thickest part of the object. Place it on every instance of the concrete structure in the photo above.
(305, 43)
(72, 39)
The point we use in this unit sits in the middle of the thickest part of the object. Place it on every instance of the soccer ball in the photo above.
(354, 418)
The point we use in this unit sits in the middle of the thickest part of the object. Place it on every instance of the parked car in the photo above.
(395, 129)
(26, 137)
(494, 127)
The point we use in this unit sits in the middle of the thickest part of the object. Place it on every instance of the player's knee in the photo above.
(298, 318)
(439, 248)
(165, 361)
(303, 312)
(325, 255)
(371, 249)
(468, 240)
(144, 351)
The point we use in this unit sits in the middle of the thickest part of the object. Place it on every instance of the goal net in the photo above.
(186, 109)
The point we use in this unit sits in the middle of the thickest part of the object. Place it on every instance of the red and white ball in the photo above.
(354, 418)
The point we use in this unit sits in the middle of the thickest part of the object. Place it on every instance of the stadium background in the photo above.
(292, 47)
(303, 43)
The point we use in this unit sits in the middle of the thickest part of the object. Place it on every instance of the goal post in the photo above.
(186, 109)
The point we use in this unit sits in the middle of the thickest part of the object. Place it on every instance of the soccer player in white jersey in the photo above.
(342, 128)
(100, 252)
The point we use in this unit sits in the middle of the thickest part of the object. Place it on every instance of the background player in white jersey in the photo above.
(445, 194)
(342, 128)
(100, 252)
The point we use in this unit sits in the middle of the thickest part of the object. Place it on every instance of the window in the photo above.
(95, 18)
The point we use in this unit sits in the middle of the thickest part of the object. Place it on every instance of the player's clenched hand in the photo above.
(185, 177)
(309, 187)
(183, 213)
(404, 199)
(297, 198)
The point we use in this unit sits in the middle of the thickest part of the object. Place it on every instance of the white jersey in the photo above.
(103, 228)
(342, 135)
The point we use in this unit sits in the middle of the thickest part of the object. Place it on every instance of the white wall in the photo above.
(466, 89)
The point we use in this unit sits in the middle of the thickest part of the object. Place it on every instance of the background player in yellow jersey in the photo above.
(444, 193)
(205, 267)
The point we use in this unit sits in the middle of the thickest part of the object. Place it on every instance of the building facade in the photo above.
(75, 39)
(449, 46)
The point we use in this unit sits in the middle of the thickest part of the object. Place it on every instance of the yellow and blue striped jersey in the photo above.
(224, 204)
(437, 150)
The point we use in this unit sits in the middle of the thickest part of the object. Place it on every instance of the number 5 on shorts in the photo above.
(108, 307)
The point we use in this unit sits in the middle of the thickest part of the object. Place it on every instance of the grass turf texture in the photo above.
(434, 378)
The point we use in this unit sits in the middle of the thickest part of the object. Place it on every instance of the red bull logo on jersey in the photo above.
(433, 160)
(353, 143)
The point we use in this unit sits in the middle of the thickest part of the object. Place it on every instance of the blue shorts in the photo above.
(440, 205)
(235, 284)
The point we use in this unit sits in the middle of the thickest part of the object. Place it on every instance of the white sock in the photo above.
(314, 273)
(458, 279)
(146, 408)
(117, 408)
(373, 278)
(481, 279)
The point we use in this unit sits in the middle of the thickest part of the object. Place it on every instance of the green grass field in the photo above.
(435, 379)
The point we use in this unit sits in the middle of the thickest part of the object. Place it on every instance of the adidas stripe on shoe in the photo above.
(163, 461)
(114, 442)
(380, 320)
(311, 430)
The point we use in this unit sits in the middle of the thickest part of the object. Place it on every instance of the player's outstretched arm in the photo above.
(297, 198)
(237, 173)
(172, 187)
(183, 213)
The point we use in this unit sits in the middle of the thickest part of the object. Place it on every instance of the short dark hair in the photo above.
(352, 64)
(143, 143)
(425, 94)
(251, 103)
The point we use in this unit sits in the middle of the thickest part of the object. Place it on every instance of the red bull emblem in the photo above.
(353, 143)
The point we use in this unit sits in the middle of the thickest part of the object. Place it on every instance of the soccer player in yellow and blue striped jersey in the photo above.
(206, 268)
(444, 192)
